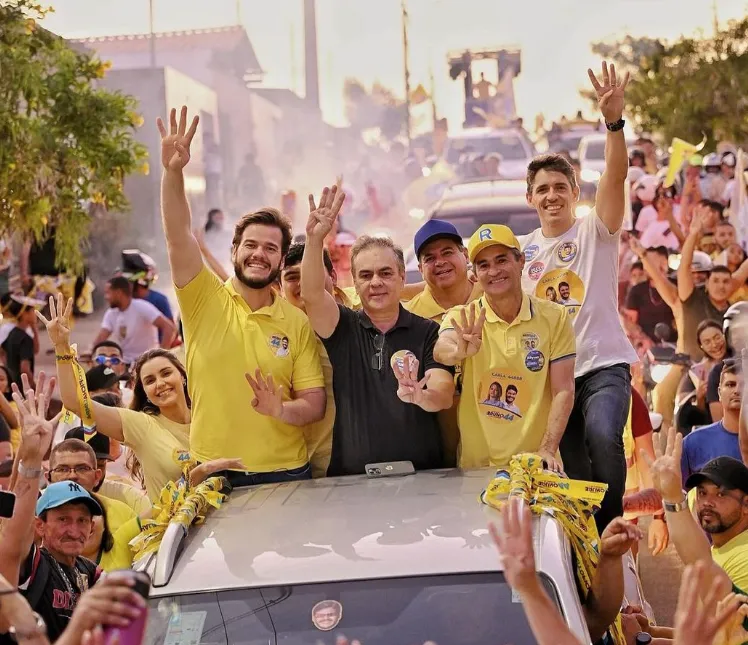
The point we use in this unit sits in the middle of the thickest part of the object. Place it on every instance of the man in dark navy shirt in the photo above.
(386, 383)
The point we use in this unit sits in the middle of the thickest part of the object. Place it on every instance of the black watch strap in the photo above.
(616, 126)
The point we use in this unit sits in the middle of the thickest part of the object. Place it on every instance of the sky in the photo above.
(363, 39)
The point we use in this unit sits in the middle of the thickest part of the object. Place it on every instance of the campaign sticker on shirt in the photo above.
(563, 287)
(327, 614)
(530, 341)
(279, 345)
(535, 270)
(122, 331)
(567, 251)
(398, 358)
(534, 361)
(531, 252)
(503, 396)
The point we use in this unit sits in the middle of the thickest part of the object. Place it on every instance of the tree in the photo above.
(67, 144)
(691, 87)
(378, 108)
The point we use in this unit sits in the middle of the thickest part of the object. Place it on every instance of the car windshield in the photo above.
(520, 222)
(462, 609)
(595, 151)
(509, 146)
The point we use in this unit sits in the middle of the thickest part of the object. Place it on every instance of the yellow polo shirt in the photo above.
(733, 559)
(506, 387)
(318, 436)
(226, 339)
(348, 297)
(424, 305)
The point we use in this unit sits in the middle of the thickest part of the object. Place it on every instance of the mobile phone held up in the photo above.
(7, 504)
(390, 469)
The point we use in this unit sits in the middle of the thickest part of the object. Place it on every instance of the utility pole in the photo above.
(152, 37)
(715, 18)
(239, 12)
(404, 10)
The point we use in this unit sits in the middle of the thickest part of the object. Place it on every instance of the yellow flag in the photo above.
(679, 151)
(419, 95)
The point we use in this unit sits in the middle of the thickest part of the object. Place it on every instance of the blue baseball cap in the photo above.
(61, 493)
(432, 230)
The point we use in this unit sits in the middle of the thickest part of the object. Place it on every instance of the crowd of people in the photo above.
(509, 345)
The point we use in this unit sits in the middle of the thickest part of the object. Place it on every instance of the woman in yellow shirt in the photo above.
(156, 427)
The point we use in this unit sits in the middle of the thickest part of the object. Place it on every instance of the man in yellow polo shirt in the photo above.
(240, 328)
(518, 356)
(443, 263)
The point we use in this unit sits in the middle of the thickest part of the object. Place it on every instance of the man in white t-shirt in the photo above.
(132, 322)
(578, 257)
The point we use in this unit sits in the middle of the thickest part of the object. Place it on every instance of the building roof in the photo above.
(280, 96)
(226, 39)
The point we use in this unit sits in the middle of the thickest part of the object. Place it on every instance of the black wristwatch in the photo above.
(615, 126)
(643, 638)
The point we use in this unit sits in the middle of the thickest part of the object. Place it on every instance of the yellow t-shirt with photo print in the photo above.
(225, 340)
(506, 389)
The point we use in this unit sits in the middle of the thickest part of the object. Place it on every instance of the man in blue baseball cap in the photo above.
(443, 262)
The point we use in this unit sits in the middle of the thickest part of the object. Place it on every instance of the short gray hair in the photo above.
(368, 241)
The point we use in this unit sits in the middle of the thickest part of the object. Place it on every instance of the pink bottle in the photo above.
(134, 632)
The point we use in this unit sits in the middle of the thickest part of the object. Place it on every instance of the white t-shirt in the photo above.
(583, 260)
(659, 233)
(133, 328)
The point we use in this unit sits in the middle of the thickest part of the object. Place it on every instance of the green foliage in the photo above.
(689, 87)
(378, 108)
(67, 144)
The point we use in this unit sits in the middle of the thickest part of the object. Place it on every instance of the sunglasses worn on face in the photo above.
(112, 360)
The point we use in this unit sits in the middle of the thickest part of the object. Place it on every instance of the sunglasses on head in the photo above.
(103, 360)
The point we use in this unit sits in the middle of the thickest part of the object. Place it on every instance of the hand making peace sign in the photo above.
(610, 93)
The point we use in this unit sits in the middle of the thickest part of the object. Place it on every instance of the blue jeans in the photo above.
(238, 479)
(592, 446)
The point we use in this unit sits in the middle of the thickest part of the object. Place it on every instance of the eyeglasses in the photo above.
(83, 469)
(377, 361)
(112, 360)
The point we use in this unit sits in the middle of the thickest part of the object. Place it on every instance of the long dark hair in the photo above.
(9, 394)
(140, 402)
(210, 223)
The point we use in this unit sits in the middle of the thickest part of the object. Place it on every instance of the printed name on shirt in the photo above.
(503, 395)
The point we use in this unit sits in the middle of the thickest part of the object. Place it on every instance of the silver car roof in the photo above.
(348, 528)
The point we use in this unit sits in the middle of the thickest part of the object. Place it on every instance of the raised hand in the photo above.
(699, 615)
(175, 144)
(665, 469)
(58, 325)
(268, 396)
(469, 332)
(618, 537)
(409, 388)
(658, 536)
(322, 218)
(636, 247)
(513, 539)
(697, 223)
(36, 431)
(610, 93)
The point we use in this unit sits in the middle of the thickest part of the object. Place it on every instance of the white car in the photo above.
(470, 203)
(385, 561)
(592, 156)
(512, 144)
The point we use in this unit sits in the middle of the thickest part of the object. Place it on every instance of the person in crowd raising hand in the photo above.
(158, 421)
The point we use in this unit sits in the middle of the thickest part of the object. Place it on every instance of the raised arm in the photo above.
(610, 201)
(185, 258)
(320, 306)
(36, 437)
(58, 327)
(740, 277)
(667, 290)
(685, 277)
(210, 259)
